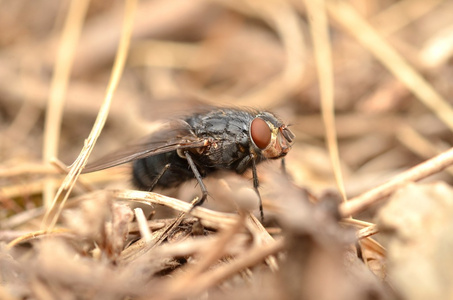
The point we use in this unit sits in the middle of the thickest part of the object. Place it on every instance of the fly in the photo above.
(201, 144)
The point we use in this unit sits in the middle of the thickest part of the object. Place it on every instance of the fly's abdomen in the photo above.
(152, 172)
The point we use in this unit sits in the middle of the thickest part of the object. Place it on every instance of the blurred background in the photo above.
(186, 54)
(391, 67)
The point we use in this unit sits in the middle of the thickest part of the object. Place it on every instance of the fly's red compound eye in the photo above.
(261, 133)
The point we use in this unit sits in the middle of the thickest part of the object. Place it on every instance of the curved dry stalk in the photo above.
(209, 218)
(423, 170)
(34, 234)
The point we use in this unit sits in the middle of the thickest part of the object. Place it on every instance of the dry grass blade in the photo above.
(210, 218)
(322, 49)
(401, 14)
(143, 226)
(27, 169)
(32, 235)
(419, 145)
(76, 169)
(59, 84)
(423, 170)
(394, 62)
(208, 256)
(261, 237)
(367, 232)
(214, 277)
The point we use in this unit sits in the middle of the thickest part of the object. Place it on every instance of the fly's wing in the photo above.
(177, 136)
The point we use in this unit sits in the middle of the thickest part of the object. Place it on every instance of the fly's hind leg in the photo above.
(204, 191)
(158, 177)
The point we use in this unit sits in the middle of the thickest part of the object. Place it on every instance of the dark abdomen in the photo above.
(146, 170)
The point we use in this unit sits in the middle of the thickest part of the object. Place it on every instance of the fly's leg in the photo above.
(256, 184)
(159, 176)
(284, 167)
(204, 191)
(243, 165)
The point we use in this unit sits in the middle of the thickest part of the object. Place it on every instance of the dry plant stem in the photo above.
(22, 218)
(438, 50)
(215, 276)
(355, 222)
(64, 170)
(212, 219)
(66, 188)
(34, 213)
(423, 170)
(207, 257)
(20, 190)
(143, 224)
(152, 225)
(33, 235)
(60, 79)
(27, 169)
(26, 118)
(322, 50)
(345, 14)
(402, 13)
(374, 246)
(418, 144)
(169, 230)
(367, 231)
(261, 237)
(36, 186)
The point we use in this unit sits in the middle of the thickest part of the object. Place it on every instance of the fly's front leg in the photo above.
(284, 167)
(285, 173)
(243, 165)
(256, 185)
(204, 191)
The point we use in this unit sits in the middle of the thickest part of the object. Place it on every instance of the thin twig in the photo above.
(249, 259)
(367, 231)
(33, 235)
(209, 218)
(145, 232)
(261, 237)
(423, 170)
(208, 256)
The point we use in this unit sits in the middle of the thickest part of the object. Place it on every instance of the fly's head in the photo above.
(270, 136)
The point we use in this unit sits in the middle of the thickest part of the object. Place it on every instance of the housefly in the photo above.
(201, 144)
